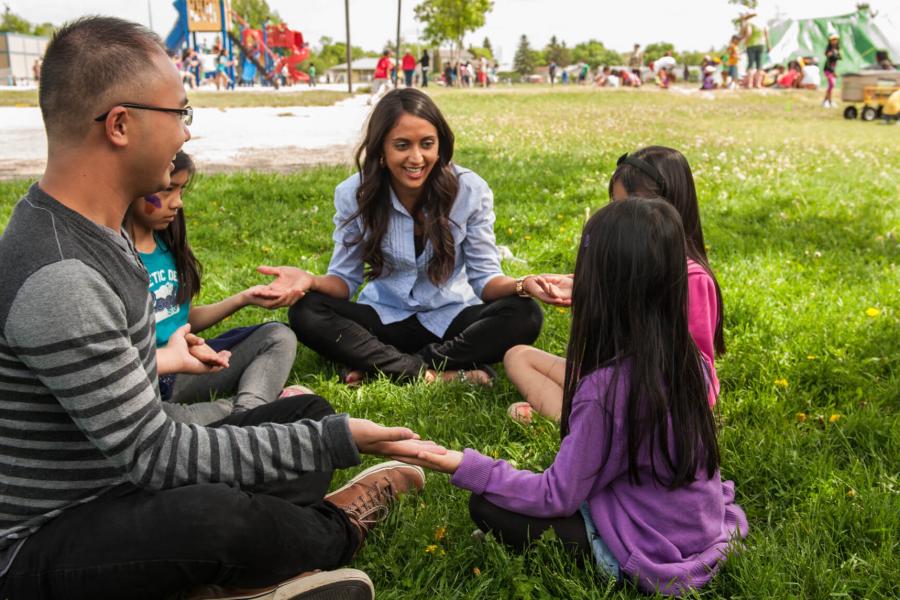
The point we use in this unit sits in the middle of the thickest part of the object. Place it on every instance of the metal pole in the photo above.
(150, 14)
(397, 58)
(349, 54)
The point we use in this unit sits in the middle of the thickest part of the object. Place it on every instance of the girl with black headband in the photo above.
(652, 172)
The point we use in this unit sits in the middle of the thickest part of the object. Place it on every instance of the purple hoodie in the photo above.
(665, 539)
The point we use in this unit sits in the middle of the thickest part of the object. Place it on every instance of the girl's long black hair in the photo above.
(629, 313)
(680, 192)
(175, 236)
(373, 195)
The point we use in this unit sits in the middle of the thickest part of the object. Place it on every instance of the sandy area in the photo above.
(265, 139)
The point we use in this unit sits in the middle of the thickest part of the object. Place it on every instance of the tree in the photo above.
(558, 53)
(13, 23)
(593, 52)
(451, 20)
(747, 3)
(486, 44)
(657, 50)
(255, 12)
(525, 59)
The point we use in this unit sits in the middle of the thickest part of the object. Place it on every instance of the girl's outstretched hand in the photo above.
(290, 285)
(397, 442)
(445, 462)
(550, 288)
(186, 353)
(260, 295)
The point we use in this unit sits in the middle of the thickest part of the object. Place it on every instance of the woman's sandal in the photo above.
(520, 412)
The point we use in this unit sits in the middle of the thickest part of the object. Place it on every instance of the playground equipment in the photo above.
(870, 88)
(215, 16)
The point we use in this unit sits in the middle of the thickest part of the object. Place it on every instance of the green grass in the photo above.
(802, 219)
(211, 99)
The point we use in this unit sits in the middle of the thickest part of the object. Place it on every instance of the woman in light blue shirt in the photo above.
(420, 231)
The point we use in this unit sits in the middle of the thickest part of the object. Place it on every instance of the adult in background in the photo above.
(436, 299)
(756, 39)
(832, 56)
(636, 62)
(103, 495)
(381, 81)
(551, 70)
(409, 68)
(425, 65)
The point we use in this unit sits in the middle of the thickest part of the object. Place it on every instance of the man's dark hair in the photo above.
(85, 61)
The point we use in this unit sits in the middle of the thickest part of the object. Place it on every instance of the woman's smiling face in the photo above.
(410, 152)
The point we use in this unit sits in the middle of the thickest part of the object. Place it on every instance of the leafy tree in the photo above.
(11, 22)
(557, 52)
(525, 60)
(333, 53)
(255, 12)
(593, 52)
(486, 44)
(747, 3)
(479, 52)
(451, 20)
(656, 50)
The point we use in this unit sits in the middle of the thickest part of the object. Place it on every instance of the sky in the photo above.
(690, 24)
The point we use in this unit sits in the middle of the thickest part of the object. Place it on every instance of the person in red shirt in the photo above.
(409, 67)
(381, 81)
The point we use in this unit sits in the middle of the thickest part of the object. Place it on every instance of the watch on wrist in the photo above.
(520, 287)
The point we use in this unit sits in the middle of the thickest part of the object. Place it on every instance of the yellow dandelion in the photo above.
(562, 229)
(873, 312)
(527, 237)
(810, 357)
(509, 230)
(801, 417)
(782, 383)
(851, 493)
(430, 549)
(562, 310)
(477, 571)
(440, 533)
(834, 418)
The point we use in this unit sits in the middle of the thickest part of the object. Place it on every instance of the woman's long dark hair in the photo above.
(681, 193)
(629, 313)
(373, 195)
(175, 237)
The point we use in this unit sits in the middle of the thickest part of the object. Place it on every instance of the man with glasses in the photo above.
(101, 494)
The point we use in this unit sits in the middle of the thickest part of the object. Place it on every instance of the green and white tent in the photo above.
(861, 36)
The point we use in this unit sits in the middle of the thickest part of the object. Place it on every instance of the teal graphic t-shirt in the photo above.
(164, 288)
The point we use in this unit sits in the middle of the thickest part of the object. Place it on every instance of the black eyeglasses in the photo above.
(187, 113)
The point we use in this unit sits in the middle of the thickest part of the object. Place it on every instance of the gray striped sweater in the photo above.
(79, 401)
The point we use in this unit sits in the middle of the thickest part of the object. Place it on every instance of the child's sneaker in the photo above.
(520, 412)
(295, 390)
(340, 584)
(366, 498)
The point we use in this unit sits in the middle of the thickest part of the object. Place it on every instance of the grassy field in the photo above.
(802, 217)
(211, 99)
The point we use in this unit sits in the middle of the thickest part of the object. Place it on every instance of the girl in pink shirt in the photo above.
(652, 172)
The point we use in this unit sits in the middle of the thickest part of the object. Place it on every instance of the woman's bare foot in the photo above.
(521, 412)
(353, 378)
(473, 376)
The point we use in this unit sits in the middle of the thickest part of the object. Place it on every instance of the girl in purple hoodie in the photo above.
(636, 482)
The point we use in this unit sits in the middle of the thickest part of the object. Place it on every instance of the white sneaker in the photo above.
(340, 584)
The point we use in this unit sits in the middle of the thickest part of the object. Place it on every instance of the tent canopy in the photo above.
(861, 36)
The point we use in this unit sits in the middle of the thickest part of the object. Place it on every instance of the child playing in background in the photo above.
(259, 358)
(636, 482)
(732, 61)
(653, 172)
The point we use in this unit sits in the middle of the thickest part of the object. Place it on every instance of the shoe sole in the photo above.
(340, 584)
(375, 469)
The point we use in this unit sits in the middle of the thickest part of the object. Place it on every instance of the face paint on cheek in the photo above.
(151, 203)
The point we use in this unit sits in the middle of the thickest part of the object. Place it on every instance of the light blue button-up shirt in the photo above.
(404, 289)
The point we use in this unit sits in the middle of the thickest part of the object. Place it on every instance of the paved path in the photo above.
(265, 139)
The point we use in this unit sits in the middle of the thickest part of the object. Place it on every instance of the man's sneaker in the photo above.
(341, 584)
(366, 498)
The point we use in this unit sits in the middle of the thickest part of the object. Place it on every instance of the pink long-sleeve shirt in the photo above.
(703, 312)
